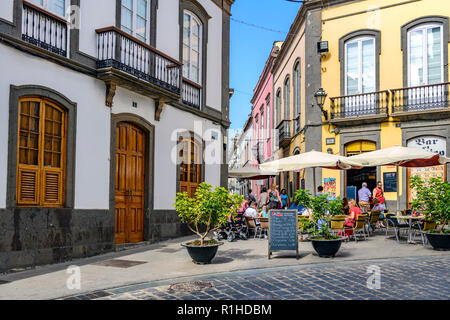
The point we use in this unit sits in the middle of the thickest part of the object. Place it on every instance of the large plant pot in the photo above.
(439, 241)
(202, 254)
(326, 248)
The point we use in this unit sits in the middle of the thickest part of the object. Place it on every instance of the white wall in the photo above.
(6, 10)
(171, 122)
(94, 15)
(93, 122)
(214, 56)
(168, 28)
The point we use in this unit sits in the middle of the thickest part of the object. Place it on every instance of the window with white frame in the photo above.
(192, 47)
(135, 18)
(360, 66)
(57, 7)
(425, 55)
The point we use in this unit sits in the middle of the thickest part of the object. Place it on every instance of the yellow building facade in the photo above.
(386, 76)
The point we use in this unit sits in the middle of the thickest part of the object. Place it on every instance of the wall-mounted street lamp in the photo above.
(320, 96)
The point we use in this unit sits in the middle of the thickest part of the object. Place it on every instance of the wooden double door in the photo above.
(130, 183)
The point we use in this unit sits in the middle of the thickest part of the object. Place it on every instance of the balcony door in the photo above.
(425, 67)
(360, 77)
(130, 183)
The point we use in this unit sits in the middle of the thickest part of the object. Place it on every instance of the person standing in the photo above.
(274, 198)
(378, 193)
(319, 191)
(284, 199)
(263, 198)
(251, 196)
(364, 195)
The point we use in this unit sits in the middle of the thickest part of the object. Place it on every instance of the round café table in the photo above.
(410, 219)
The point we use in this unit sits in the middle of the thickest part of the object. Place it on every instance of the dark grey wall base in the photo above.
(32, 236)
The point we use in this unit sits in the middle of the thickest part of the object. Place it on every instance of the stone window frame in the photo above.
(404, 41)
(376, 34)
(192, 135)
(17, 92)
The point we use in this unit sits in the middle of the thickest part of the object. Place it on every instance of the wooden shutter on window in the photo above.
(41, 153)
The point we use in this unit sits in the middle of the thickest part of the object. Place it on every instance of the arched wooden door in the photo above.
(191, 166)
(130, 183)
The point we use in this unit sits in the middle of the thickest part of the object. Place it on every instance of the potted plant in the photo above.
(324, 242)
(205, 212)
(433, 201)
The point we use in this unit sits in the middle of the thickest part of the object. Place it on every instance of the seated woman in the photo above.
(354, 213)
(378, 209)
(345, 206)
(264, 213)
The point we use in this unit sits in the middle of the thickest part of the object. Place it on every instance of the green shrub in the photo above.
(432, 200)
(208, 208)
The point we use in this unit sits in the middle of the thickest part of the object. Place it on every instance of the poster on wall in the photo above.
(432, 144)
(329, 187)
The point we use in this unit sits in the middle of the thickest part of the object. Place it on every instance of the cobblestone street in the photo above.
(401, 279)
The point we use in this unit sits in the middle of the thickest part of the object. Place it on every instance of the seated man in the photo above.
(251, 212)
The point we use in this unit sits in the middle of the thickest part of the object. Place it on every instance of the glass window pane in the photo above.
(142, 8)
(128, 4)
(352, 68)
(141, 28)
(127, 20)
(368, 66)
(434, 56)
(57, 6)
(416, 66)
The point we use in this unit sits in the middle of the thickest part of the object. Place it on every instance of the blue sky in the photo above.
(250, 47)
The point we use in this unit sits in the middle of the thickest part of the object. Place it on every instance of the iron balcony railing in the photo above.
(44, 29)
(365, 104)
(191, 94)
(421, 98)
(284, 131)
(121, 51)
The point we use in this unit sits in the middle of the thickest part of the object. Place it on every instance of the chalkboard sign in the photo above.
(351, 192)
(283, 226)
(390, 181)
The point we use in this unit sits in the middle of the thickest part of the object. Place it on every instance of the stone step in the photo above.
(126, 246)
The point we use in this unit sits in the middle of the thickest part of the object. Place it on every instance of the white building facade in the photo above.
(108, 109)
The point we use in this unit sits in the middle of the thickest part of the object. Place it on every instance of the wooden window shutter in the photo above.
(41, 153)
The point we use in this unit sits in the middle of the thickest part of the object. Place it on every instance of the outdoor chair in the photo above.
(251, 225)
(337, 224)
(372, 221)
(393, 224)
(422, 228)
(359, 227)
(264, 226)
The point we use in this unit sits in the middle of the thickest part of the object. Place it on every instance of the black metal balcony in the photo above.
(422, 99)
(44, 29)
(284, 133)
(191, 94)
(117, 49)
(363, 108)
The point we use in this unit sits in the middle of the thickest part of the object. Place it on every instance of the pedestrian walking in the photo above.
(378, 193)
(284, 199)
(274, 198)
(263, 199)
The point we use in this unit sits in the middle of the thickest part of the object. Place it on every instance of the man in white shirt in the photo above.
(251, 211)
